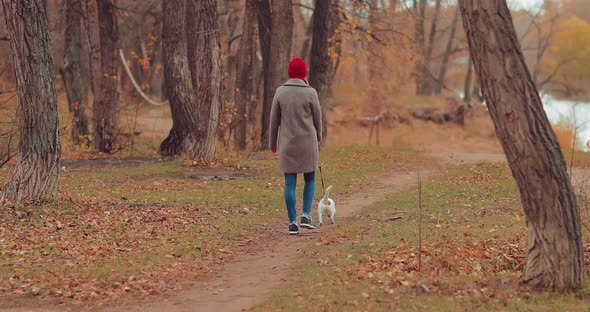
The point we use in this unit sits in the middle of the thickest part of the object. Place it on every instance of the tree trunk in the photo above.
(467, 92)
(555, 256)
(281, 37)
(71, 73)
(432, 35)
(91, 29)
(232, 28)
(245, 93)
(37, 168)
(264, 33)
(420, 44)
(305, 47)
(373, 64)
(427, 77)
(106, 98)
(183, 101)
(440, 83)
(320, 75)
(204, 58)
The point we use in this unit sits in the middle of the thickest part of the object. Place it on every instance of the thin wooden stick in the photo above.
(573, 143)
(377, 130)
(419, 222)
(134, 128)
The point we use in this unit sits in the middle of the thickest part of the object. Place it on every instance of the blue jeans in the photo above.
(290, 195)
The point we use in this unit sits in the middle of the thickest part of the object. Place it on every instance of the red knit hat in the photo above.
(297, 68)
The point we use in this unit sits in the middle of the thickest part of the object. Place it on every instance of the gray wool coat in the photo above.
(296, 126)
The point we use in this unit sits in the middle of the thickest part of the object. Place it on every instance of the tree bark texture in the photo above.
(280, 53)
(106, 98)
(37, 167)
(179, 85)
(204, 58)
(245, 92)
(555, 254)
(440, 83)
(71, 73)
(321, 66)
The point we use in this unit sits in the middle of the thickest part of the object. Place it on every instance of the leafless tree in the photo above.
(440, 82)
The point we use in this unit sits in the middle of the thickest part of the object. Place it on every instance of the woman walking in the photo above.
(296, 127)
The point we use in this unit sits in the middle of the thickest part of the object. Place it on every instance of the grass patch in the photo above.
(474, 245)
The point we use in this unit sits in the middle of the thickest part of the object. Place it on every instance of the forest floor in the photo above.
(472, 256)
(132, 230)
(136, 231)
(167, 239)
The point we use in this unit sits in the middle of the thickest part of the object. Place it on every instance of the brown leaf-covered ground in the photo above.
(128, 230)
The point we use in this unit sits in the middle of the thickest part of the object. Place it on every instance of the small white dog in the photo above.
(327, 204)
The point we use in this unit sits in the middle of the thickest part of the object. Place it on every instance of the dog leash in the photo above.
(322, 177)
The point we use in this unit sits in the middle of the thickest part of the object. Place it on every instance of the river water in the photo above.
(567, 111)
(570, 111)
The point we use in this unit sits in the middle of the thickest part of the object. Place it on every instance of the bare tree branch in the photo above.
(303, 6)
(553, 73)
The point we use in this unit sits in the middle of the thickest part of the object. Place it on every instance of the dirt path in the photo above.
(251, 279)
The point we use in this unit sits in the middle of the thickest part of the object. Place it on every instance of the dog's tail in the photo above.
(327, 194)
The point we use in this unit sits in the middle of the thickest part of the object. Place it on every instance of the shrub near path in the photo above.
(473, 250)
(133, 231)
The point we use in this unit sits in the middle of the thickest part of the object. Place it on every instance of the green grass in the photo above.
(473, 238)
(165, 182)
